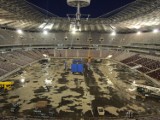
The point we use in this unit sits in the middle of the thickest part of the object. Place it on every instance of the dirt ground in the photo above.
(106, 84)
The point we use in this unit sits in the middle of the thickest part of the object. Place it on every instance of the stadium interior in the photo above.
(80, 68)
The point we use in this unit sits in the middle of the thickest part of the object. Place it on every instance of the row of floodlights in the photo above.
(19, 31)
(114, 33)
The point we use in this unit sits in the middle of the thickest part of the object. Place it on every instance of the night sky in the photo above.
(96, 9)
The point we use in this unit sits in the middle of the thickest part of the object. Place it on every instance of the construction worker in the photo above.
(65, 65)
(88, 63)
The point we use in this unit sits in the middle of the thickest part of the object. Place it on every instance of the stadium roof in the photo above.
(141, 15)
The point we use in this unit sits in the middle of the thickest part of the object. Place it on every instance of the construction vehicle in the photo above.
(6, 85)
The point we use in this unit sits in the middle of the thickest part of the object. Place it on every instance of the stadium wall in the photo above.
(9, 37)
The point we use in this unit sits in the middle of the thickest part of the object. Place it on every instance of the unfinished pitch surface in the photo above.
(106, 85)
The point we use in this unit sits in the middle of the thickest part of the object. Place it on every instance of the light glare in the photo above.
(155, 31)
(110, 56)
(137, 27)
(45, 32)
(113, 33)
(49, 26)
(139, 32)
(45, 55)
(19, 31)
(22, 80)
(74, 30)
(42, 25)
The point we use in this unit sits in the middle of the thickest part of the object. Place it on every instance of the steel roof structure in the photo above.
(139, 15)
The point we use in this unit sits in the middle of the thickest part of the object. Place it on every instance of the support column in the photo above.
(66, 53)
(100, 53)
(54, 53)
(77, 53)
